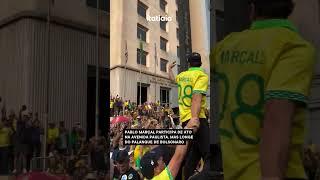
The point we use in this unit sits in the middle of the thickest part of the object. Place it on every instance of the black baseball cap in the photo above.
(194, 57)
(148, 162)
(122, 156)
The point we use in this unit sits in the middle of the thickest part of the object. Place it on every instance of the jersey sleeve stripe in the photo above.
(199, 92)
(285, 95)
(169, 174)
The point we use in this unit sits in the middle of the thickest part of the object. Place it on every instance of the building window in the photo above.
(163, 65)
(178, 51)
(163, 43)
(144, 92)
(163, 25)
(163, 5)
(142, 9)
(103, 4)
(164, 96)
(142, 32)
(143, 55)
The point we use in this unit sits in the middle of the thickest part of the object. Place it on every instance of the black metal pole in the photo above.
(97, 73)
(48, 86)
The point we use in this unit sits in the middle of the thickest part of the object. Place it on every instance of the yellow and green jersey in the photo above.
(126, 104)
(111, 104)
(137, 154)
(164, 175)
(53, 133)
(5, 137)
(192, 81)
(268, 61)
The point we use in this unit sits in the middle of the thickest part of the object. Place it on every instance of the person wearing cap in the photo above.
(264, 75)
(157, 165)
(122, 160)
(192, 89)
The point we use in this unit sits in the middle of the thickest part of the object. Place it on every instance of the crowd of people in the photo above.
(118, 106)
(312, 161)
(20, 139)
(126, 159)
(68, 152)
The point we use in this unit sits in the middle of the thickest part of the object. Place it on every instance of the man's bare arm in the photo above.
(177, 158)
(275, 139)
(196, 105)
(116, 139)
(181, 150)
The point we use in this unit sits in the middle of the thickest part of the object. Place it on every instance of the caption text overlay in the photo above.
(157, 136)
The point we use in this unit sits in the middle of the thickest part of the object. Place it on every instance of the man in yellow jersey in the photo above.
(153, 164)
(192, 89)
(5, 137)
(264, 76)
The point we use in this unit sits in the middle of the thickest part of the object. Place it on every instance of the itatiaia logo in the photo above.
(159, 18)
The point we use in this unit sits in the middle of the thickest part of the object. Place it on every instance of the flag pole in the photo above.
(97, 73)
(125, 74)
(141, 52)
(48, 81)
(155, 72)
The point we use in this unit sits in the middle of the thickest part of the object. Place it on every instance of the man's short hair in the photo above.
(273, 8)
(194, 60)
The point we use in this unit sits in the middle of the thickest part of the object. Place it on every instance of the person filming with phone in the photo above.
(192, 89)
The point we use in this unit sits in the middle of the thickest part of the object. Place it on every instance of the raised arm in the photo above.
(181, 150)
(172, 122)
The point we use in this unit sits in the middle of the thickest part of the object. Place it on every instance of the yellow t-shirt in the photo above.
(164, 175)
(52, 134)
(268, 61)
(195, 80)
(137, 154)
(5, 136)
(111, 104)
